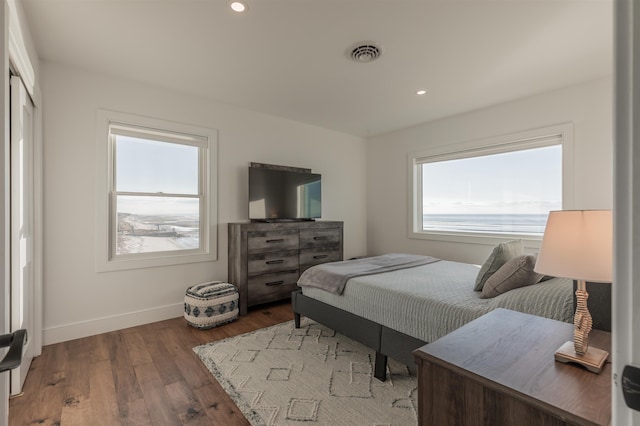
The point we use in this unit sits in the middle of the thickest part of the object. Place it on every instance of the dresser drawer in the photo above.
(310, 238)
(266, 259)
(272, 262)
(310, 257)
(271, 287)
(259, 242)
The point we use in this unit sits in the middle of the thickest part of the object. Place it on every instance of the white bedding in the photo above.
(429, 301)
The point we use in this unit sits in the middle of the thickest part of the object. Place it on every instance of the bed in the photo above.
(396, 312)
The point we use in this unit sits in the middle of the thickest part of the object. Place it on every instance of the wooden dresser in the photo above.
(266, 259)
(500, 370)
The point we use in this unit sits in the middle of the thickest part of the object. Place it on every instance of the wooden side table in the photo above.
(500, 370)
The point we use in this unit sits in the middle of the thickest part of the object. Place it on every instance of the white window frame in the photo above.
(205, 138)
(528, 139)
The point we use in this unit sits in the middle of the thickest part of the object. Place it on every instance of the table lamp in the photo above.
(578, 244)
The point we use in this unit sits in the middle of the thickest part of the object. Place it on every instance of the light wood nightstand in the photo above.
(500, 370)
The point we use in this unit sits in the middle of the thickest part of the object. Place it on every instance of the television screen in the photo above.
(283, 195)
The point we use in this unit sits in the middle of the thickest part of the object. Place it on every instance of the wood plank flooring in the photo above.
(146, 375)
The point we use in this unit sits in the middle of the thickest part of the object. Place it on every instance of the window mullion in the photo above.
(156, 194)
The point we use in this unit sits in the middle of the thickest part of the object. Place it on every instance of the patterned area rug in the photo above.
(286, 376)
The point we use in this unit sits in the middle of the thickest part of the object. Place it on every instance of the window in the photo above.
(502, 187)
(158, 193)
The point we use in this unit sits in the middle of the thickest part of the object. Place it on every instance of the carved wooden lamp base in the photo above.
(593, 360)
(578, 351)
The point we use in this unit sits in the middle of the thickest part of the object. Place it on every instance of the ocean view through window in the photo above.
(157, 196)
(504, 188)
(157, 199)
(490, 223)
(502, 193)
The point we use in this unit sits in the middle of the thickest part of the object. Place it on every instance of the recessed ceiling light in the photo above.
(238, 6)
(421, 92)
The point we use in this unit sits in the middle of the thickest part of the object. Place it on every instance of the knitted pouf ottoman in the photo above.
(211, 304)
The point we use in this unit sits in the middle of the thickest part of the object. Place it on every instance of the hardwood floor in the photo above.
(146, 375)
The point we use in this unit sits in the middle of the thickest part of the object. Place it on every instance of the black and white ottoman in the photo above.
(211, 304)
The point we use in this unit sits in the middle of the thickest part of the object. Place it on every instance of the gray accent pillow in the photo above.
(501, 253)
(517, 272)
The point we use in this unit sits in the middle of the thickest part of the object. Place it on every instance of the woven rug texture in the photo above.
(280, 376)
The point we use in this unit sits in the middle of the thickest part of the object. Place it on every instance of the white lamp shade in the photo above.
(578, 244)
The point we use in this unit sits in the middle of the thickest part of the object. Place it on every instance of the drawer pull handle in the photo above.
(274, 262)
(320, 256)
(274, 283)
(277, 240)
(320, 238)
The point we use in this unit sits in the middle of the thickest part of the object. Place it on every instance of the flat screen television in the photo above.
(281, 195)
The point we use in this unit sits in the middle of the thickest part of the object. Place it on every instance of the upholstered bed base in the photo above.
(385, 341)
(399, 346)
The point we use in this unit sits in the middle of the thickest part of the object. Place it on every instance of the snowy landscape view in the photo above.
(143, 233)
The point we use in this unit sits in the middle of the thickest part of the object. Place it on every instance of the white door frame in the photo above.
(13, 49)
(20, 59)
(4, 203)
(22, 225)
(626, 329)
(20, 62)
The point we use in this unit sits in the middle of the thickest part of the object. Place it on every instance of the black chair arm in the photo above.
(15, 341)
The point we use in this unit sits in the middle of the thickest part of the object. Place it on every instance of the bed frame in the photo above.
(385, 341)
(399, 346)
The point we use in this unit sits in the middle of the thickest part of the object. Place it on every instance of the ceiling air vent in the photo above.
(364, 51)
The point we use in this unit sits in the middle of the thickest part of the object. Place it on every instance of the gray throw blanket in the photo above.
(333, 276)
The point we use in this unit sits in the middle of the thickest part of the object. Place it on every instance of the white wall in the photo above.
(364, 184)
(79, 301)
(588, 106)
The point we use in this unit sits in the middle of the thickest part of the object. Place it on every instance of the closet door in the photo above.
(22, 224)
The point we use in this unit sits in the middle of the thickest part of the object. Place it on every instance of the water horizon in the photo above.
(503, 223)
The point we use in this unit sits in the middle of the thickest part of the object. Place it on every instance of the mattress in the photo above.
(429, 301)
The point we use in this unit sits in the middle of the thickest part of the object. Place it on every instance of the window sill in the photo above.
(530, 241)
(152, 261)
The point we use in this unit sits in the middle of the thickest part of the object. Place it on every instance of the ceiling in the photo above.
(287, 57)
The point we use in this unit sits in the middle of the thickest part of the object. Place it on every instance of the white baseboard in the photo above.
(62, 333)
